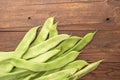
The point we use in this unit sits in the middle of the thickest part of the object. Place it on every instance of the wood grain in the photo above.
(75, 17)
(99, 15)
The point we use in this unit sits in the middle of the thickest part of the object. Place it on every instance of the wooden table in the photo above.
(75, 17)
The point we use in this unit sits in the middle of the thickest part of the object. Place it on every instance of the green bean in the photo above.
(42, 48)
(60, 73)
(66, 45)
(36, 67)
(82, 43)
(42, 36)
(44, 57)
(14, 75)
(78, 64)
(25, 43)
(86, 70)
(53, 31)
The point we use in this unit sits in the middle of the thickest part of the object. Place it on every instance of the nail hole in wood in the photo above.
(29, 18)
(107, 19)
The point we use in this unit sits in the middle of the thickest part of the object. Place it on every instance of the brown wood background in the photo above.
(76, 17)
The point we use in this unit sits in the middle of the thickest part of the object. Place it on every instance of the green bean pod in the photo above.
(53, 31)
(82, 43)
(37, 67)
(42, 36)
(45, 46)
(62, 73)
(78, 64)
(25, 43)
(44, 57)
(86, 70)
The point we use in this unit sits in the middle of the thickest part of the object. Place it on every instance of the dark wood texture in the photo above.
(75, 17)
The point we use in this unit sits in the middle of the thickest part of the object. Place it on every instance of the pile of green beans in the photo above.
(47, 55)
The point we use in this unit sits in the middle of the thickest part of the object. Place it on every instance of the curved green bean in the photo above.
(82, 43)
(78, 64)
(62, 73)
(42, 36)
(44, 57)
(53, 31)
(25, 43)
(36, 67)
(45, 46)
(86, 70)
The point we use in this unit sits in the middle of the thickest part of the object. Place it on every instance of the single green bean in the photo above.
(45, 46)
(44, 57)
(37, 67)
(78, 64)
(42, 36)
(60, 73)
(86, 70)
(53, 31)
(25, 43)
(82, 43)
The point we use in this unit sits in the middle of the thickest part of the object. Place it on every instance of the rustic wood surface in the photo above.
(75, 17)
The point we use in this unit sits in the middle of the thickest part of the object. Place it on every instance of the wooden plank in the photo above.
(43, 2)
(105, 45)
(106, 71)
(79, 16)
(75, 27)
